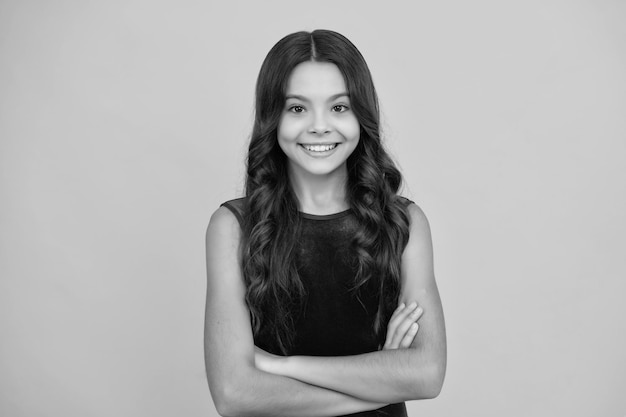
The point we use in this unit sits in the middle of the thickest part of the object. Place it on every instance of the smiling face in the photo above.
(318, 129)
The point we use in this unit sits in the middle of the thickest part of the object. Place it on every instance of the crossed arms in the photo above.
(245, 380)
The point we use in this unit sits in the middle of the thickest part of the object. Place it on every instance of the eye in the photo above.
(296, 109)
(340, 108)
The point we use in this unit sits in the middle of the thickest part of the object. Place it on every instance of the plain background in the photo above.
(124, 124)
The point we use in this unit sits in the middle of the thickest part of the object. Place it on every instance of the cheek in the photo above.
(350, 128)
(289, 129)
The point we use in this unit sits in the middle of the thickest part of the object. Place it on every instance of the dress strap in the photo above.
(237, 208)
(405, 201)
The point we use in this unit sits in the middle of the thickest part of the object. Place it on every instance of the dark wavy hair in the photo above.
(274, 289)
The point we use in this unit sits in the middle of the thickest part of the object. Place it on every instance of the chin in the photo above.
(319, 170)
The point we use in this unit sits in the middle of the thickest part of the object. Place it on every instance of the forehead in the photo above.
(313, 79)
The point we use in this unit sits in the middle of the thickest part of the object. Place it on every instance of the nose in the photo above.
(319, 124)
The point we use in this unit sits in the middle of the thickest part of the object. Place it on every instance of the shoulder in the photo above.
(230, 213)
(417, 258)
(224, 225)
(417, 216)
(237, 207)
(419, 229)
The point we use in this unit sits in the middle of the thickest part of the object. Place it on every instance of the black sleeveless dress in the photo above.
(334, 321)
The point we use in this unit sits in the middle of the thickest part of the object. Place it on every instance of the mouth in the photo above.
(319, 148)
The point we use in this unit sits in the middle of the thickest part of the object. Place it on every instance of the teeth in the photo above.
(319, 148)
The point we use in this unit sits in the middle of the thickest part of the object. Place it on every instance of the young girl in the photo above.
(319, 279)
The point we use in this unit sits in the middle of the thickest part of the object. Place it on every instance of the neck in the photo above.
(320, 194)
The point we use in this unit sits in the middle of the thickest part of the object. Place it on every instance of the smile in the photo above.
(319, 148)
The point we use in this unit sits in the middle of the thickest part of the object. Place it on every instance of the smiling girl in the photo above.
(321, 296)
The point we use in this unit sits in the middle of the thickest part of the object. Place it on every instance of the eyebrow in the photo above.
(303, 98)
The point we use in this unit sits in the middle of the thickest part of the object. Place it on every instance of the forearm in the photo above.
(388, 376)
(256, 393)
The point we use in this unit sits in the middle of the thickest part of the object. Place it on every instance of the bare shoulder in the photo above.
(420, 228)
(222, 245)
(417, 258)
(223, 224)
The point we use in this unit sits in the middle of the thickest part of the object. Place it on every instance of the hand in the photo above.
(403, 326)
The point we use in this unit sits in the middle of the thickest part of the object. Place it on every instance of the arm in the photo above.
(389, 375)
(237, 386)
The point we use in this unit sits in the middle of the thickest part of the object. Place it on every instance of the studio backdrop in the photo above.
(124, 125)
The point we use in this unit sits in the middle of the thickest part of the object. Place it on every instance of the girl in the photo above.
(317, 279)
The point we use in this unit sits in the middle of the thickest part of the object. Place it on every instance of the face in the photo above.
(318, 129)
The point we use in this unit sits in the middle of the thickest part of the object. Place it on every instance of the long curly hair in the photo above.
(271, 226)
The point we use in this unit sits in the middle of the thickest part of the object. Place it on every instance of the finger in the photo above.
(403, 327)
(409, 336)
(397, 311)
(397, 317)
